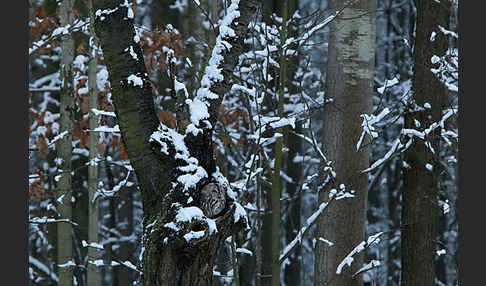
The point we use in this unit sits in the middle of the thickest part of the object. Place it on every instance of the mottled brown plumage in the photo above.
(213, 200)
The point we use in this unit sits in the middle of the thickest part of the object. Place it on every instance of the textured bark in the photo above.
(349, 81)
(64, 187)
(167, 258)
(419, 196)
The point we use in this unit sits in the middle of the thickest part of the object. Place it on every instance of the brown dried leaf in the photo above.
(167, 118)
(42, 145)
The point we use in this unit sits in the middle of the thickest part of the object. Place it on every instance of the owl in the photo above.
(213, 200)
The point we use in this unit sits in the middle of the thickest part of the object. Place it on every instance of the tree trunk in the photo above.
(169, 258)
(126, 247)
(292, 270)
(349, 82)
(276, 180)
(419, 205)
(93, 276)
(64, 188)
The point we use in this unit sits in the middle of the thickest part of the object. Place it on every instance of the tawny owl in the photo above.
(213, 200)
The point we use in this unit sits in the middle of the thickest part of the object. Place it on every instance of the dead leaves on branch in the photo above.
(156, 56)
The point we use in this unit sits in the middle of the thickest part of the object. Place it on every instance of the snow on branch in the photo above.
(310, 222)
(190, 215)
(308, 34)
(169, 138)
(41, 267)
(388, 83)
(367, 267)
(198, 107)
(359, 248)
(127, 264)
(45, 220)
(116, 188)
(98, 112)
(396, 145)
(447, 70)
(58, 33)
(368, 125)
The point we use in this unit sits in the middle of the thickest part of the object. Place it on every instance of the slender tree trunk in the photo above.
(349, 82)
(276, 180)
(113, 202)
(64, 230)
(93, 276)
(292, 270)
(292, 274)
(126, 247)
(419, 211)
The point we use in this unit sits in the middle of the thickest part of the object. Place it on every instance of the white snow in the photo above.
(102, 112)
(105, 128)
(432, 36)
(283, 122)
(326, 241)
(244, 251)
(189, 213)
(132, 52)
(441, 252)
(239, 213)
(368, 125)
(92, 244)
(303, 230)
(101, 79)
(193, 172)
(396, 145)
(198, 111)
(212, 73)
(101, 13)
(70, 263)
(373, 239)
(43, 268)
(193, 235)
(130, 10)
(179, 5)
(388, 83)
(135, 80)
(368, 266)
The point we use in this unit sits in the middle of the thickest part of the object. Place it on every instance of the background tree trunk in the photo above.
(126, 250)
(64, 230)
(349, 82)
(420, 188)
(93, 276)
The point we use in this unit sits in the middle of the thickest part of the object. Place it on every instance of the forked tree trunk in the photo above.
(168, 257)
(349, 82)
(419, 211)
(64, 188)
